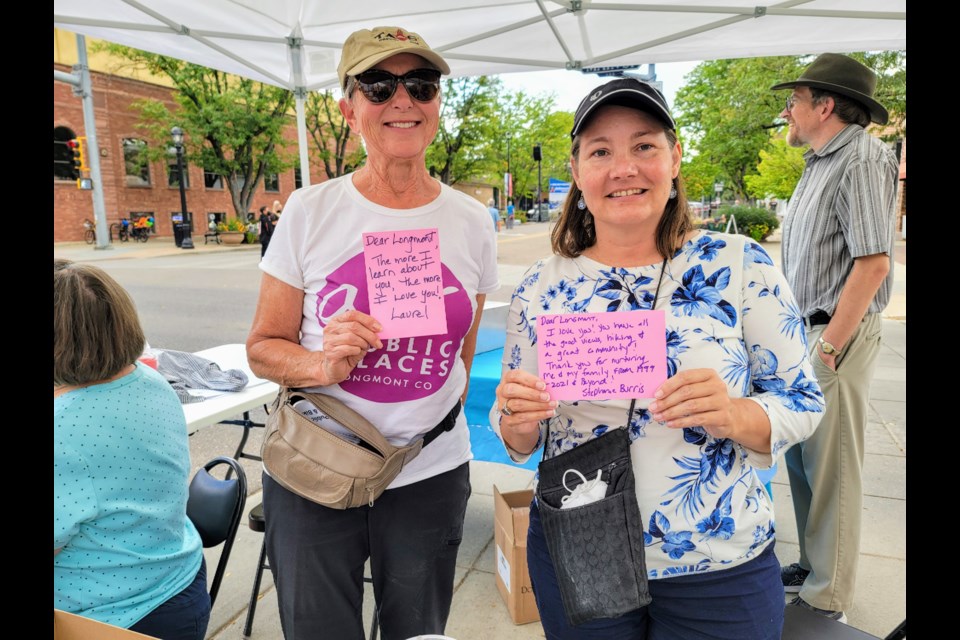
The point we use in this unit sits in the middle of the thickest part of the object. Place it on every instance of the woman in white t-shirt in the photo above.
(314, 330)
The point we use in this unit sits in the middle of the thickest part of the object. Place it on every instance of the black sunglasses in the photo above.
(378, 85)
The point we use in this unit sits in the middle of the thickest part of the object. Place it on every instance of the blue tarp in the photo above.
(484, 378)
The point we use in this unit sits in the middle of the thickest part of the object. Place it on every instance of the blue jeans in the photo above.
(185, 616)
(741, 603)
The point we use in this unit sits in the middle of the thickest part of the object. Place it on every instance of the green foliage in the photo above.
(477, 120)
(699, 176)
(725, 110)
(331, 135)
(891, 92)
(779, 170)
(232, 224)
(756, 222)
(233, 126)
(526, 121)
(463, 147)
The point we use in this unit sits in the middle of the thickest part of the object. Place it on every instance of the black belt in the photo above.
(445, 425)
(820, 317)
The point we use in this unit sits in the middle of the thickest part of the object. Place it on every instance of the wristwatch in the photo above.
(828, 348)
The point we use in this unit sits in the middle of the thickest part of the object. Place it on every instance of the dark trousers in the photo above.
(184, 616)
(741, 603)
(411, 536)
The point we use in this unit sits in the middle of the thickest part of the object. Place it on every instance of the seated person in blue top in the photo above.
(124, 551)
(739, 388)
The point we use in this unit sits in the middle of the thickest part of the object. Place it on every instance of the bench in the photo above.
(212, 234)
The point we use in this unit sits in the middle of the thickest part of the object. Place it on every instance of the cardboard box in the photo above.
(510, 536)
(69, 626)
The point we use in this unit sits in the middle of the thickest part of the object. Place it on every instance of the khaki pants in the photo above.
(826, 471)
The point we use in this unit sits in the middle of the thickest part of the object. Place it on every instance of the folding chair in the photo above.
(215, 507)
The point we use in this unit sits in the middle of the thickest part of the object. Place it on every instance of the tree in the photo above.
(529, 120)
(476, 120)
(891, 92)
(726, 109)
(233, 125)
(699, 176)
(463, 147)
(331, 135)
(779, 170)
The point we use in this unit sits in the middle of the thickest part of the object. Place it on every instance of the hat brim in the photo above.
(626, 97)
(370, 61)
(878, 113)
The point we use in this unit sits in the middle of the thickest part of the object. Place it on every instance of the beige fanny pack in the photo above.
(338, 471)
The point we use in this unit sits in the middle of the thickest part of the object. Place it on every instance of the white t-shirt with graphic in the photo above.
(407, 387)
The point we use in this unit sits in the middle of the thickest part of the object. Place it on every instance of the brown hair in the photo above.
(574, 232)
(96, 331)
(848, 110)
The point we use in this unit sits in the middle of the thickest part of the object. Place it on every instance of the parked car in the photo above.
(541, 214)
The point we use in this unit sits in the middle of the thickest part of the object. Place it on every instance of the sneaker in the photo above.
(839, 616)
(793, 577)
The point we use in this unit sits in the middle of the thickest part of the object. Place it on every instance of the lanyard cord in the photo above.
(663, 269)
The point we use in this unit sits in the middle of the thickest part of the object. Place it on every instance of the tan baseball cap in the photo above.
(367, 47)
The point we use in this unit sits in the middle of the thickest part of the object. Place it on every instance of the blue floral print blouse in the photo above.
(728, 308)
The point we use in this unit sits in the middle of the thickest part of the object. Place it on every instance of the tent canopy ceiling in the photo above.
(296, 43)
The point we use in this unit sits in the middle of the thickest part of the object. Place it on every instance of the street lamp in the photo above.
(187, 241)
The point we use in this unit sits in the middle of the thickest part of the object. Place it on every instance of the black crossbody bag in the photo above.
(597, 548)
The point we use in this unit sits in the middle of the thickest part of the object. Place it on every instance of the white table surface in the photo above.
(229, 404)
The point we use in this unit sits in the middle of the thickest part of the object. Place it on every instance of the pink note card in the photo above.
(405, 283)
(602, 356)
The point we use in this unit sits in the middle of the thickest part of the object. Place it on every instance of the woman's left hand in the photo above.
(695, 398)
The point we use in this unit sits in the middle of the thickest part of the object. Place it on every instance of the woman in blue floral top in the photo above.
(739, 391)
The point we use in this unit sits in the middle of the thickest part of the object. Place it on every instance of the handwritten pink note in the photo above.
(404, 282)
(602, 356)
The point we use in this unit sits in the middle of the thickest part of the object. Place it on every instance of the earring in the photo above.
(583, 205)
(673, 192)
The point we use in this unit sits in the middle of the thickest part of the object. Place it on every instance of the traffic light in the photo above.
(536, 153)
(79, 160)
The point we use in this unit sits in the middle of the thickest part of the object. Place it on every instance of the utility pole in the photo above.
(538, 156)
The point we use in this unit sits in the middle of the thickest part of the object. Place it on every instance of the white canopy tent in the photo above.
(296, 43)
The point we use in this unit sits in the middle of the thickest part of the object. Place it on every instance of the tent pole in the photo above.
(295, 50)
(300, 93)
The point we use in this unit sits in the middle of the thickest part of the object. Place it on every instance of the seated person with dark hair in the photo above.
(124, 551)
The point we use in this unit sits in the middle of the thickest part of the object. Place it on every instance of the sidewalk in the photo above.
(152, 248)
(478, 613)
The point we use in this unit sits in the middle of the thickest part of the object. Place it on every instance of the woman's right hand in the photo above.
(524, 396)
(346, 340)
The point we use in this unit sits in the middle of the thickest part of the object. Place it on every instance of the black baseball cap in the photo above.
(626, 92)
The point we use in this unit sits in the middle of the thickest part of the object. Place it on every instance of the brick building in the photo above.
(128, 190)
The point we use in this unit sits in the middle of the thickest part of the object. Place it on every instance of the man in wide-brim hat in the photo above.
(837, 254)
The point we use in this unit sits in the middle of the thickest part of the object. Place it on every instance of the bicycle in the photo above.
(90, 235)
(141, 234)
(122, 229)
